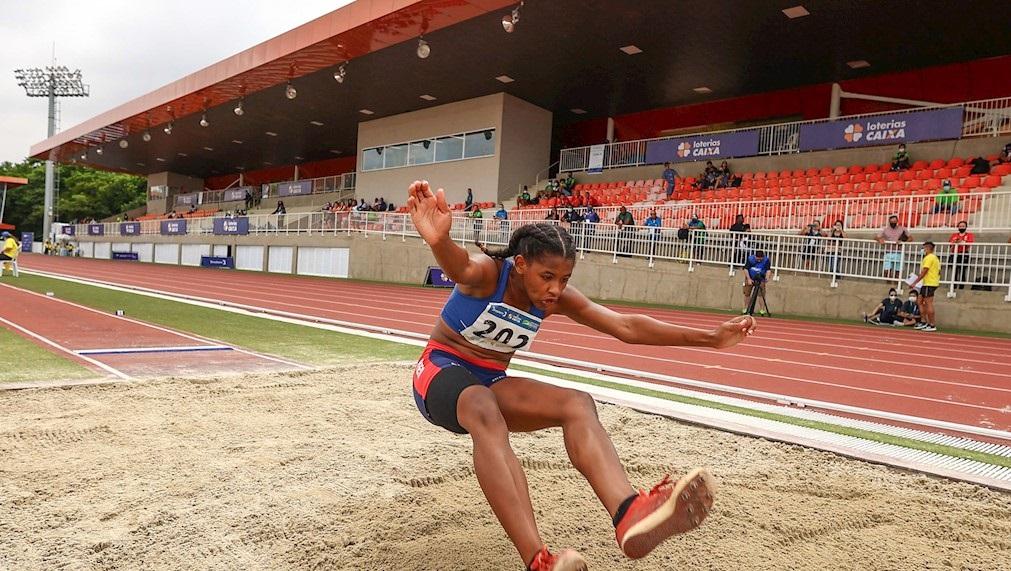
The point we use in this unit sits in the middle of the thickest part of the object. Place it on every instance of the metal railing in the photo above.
(983, 265)
(344, 184)
(982, 210)
(987, 117)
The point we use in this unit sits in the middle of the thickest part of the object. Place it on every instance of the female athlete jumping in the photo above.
(500, 299)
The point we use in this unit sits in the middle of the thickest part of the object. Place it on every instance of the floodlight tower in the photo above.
(51, 82)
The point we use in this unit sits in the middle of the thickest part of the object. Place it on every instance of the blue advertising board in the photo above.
(129, 228)
(714, 147)
(435, 277)
(892, 129)
(69, 230)
(26, 241)
(217, 262)
(173, 227)
(231, 226)
(95, 230)
(294, 188)
(125, 256)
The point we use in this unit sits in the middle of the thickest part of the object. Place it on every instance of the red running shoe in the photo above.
(566, 560)
(667, 509)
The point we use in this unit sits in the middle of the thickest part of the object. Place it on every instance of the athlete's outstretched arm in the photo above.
(644, 330)
(433, 220)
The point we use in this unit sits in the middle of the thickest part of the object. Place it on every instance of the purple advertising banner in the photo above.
(233, 194)
(293, 188)
(129, 229)
(713, 147)
(435, 277)
(890, 129)
(190, 198)
(95, 230)
(69, 230)
(173, 227)
(26, 241)
(231, 226)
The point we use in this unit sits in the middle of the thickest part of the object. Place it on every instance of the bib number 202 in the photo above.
(503, 335)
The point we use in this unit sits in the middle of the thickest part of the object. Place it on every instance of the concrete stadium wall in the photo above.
(630, 279)
(522, 148)
(181, 183)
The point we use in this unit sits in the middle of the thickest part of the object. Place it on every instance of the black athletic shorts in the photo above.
(928, 291)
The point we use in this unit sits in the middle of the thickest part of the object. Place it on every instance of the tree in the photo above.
(84, 193)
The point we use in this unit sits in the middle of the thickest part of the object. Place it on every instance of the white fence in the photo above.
(984, 265)
(988, 117)
(342, 183)
(982, 210)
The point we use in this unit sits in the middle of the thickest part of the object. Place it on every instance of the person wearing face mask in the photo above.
(891, 237)
(930, 276)
(901, 159)
(961, 241)
(887, 312)
(833, 247)
(947, 199)
(910, 312)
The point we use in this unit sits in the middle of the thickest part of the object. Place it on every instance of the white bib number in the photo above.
(502, 328)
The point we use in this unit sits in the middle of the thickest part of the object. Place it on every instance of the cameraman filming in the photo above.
(756, 271)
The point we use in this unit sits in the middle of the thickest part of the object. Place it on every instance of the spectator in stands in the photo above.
(910, 312)
(697, 230)
(669, 176)
(568, 185)
(980, 166)
(249, 199)
(524, 199)
(1005, 156)
(383, 207)
(591, 215)
(572, 216)
(624, 218)
(738, 225)
(707, 178)
(281, 210)
(891, 237)
(653, 221)
(328, 207)
(960, 242)
(900, 161)
(947, 199)
(812, 244)
(553, 214)
(756, 273)
(737, 231)
(723, 175)
(833, 247)
(468, 203)
(887, 312)
(478, 217)
(362, 206)
(930, 276)
(501, 213)
(193, 208)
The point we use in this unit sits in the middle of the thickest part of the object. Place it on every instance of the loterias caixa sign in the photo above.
(892, 129)
(712, 147)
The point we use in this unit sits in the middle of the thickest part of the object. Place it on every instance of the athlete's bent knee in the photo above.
(579, 405)
(478, 411)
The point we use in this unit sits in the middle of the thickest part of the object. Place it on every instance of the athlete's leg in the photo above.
(498, 471)
(528, 405)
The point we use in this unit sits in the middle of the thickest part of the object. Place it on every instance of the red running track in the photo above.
(955, 378)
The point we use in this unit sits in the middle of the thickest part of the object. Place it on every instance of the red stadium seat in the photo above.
(937, 163)
(955, 163)
(991, 181)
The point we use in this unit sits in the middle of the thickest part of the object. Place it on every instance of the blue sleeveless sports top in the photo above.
(490, 323)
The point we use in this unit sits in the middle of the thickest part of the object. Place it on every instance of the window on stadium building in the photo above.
(471, 145)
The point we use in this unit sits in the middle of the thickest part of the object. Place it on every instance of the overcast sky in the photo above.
(125, 48)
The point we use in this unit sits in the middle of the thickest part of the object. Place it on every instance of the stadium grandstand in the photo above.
(849, 146)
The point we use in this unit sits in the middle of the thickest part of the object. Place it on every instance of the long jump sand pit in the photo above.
(336, 470)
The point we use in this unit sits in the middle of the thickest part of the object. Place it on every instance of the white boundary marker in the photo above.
(58, 347)
(858, 448)
(129, 350)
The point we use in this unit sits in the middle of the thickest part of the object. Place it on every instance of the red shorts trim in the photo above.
(486, 372)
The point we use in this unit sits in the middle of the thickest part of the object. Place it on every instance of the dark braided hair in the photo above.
(534, 241)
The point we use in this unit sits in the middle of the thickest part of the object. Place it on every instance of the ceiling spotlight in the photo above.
(203, 120)
(168, 128)
(123, 143)
(340, 74)
(146, 136)
(424, 50)
(238, 109)
(290, 91)
(99, 150)
(509, 21)
(84, 156)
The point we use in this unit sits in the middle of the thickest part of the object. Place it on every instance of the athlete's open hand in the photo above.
(732, 332)
(429, 211)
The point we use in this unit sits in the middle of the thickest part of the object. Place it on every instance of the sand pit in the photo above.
(336, 470)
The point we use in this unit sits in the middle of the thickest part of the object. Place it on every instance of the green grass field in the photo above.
(25, 361)
(296, 342)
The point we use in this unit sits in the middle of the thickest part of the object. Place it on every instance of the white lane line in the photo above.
(130, 350)
(59, 347)
(218, 345)
(420, 340)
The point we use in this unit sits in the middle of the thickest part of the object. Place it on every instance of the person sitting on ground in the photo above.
(669, 176)
(281, 210)
(910, 312)
(887, 312)
(900, 161)
(553, 214)
(980, 166)
(501, 213)
(947, 199)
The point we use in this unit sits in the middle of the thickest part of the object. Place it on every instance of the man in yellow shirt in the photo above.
(930, 275)
(9, 252)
